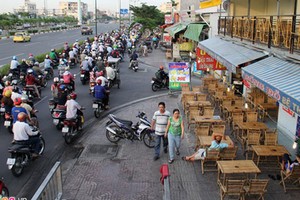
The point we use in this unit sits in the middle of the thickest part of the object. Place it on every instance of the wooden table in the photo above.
(191, 92)
(205, 141)
(268, 151)
(203, 119)
(227, 167)
(198, 103)
(252, 125)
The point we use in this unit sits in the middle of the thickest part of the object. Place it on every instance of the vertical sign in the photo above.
(168, 19)
(179, 75)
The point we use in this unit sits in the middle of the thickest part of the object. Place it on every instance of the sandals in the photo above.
(184, 158)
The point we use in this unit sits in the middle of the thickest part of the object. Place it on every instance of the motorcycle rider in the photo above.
(101, 94)
(100, 76)
(7, 101)
(62, 95)
(72, 56)
(110, 73)
(115, 53)
(53, 56)
(24, 66)
(18, 109)
(66, 48)
(86, 66)
(74, 110)
(37, 70)
(8, 86)
(31, 59)
(55, 88)
(69, 79)
(133, 58)
(31, 81)
(76, 44)
(22, 132)
(15, 93)
(24, 104)
(14, 65)
(48, 64)
(162, 75)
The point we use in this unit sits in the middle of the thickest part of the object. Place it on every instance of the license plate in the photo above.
(152, 81)
(65, 129)
(10, 161)
(45, 72)
(7, 123)
(81, 75)
(2, 109)
(55, 121)
(95, 105)
(21, 77)
(92, 88)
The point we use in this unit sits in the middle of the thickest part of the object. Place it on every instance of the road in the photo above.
(134, 85)
(43, 43)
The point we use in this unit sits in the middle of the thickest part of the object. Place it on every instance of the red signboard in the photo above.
(168, 19)
(167, 37)
(205, 61)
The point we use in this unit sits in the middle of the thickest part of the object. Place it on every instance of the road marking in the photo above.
(11, 56)
(31, 44)
(40, 101)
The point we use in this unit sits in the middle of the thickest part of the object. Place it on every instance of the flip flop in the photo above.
(184, 158)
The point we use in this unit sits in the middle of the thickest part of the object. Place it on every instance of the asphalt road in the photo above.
(134, 85)
(44, 43)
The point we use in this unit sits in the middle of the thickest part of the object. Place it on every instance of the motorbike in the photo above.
(2, 111)
(117, 129)
(134, 65)
(158, 84)
(30, 92)
(58, 116)
(72, 62)
(43, 81)
(71, 129)
(8, 123)
(21, 155)
(22, 78)
(52, 105)
(92, 85)
(3, 190)
(84, 76)
(98, 107)
(48, 73)
(116, 81)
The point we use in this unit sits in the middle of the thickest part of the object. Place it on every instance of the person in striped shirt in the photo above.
(160, 122)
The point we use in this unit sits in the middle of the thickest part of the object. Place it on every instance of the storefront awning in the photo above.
(193, 31)
(176, 28)
(277, 78)
(228, 53)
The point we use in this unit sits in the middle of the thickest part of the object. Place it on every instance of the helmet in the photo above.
(14, 57)
(14, 82)
(24, 97)
(30, 54)
(37, 64)
(22, 116)
(73, 95)
(62, 87)
(52, 49)
(76, 40)
(7, 93)
(23, 60)
(17, 101)
(101, 73)
(47, 56)
(99, 81)
(7, 83)
(55, 79)
(30, 71)
(161, 67)
(66, 73)
(86, 58)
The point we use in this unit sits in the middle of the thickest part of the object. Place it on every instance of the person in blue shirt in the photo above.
(17, 109)
(215, 144)
(101, 94)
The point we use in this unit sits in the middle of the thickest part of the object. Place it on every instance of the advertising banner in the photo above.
(168, 19)
(209, 3)
(205, 61)
(179, 75)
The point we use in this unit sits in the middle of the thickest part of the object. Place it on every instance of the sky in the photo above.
(111, 5)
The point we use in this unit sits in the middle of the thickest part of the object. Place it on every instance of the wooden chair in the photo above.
(239, 103)
(271, 138)
(226, 102)
(208, 111)
(228, 153)
(252, 138)
(236, 118)
(200, 130)
(191, 108)
(291, 177)
(251, 116)
(232, 188)
(185, 89)
(191, 117)
(212, 156)
(256, 187)
(201, 97)
(196, 88)
(218, 129)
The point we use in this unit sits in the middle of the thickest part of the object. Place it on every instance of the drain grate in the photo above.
(102, 150)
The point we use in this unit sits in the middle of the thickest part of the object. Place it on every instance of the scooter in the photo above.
(98, 107)
(134, 65)
(8, 123)
(158, 84)
(84, 76)
(3, 189)
(58, 116)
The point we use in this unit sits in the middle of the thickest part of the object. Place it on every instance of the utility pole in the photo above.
(96, 15)
(120, 14)
(79, 12)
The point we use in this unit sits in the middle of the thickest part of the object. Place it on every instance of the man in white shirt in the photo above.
(160, 121)
(74, 109)
(22, 132)
(102, 78)
(110, 73)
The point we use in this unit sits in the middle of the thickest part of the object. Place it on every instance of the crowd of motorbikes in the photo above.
(99, 54)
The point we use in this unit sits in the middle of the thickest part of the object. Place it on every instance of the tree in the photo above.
(149, 16)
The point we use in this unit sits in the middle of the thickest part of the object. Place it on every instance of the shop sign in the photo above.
(246, 84)
(288, 111)
(167, 37)
(273, 92)
(179, 75)
(168, 19)
(205, 61)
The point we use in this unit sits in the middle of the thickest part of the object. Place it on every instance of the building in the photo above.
(71, 8)
(166, 7)
(28, 7)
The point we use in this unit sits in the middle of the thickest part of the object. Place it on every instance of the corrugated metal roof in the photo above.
(228, 53)
(283, 75)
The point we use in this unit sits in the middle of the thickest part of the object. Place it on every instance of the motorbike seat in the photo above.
(19, 147)
(70, 119)
(100, 101)
(61, 108)
(126, 122)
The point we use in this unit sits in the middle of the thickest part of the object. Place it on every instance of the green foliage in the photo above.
(149, 16)
(33, 31)
(4, 69)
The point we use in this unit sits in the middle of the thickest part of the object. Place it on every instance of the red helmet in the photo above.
(161, 67)
(99, 81)
(22, 116)
(30, 54)
(73, 95)
(17, 101)
(101, 73)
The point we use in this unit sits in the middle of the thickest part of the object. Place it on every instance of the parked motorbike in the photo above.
(158, 84)
(71, 129)
(21, 155)
(117, 129)
(8, 123)
(84, 76)
(134, 65)
(3, 189)
(98, 107)
(58, 116)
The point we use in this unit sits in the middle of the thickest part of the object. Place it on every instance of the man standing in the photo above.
(160, 121)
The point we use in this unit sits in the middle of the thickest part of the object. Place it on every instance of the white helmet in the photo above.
(55, 79)
(86, 58)
(66, 73)
(24, 97)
